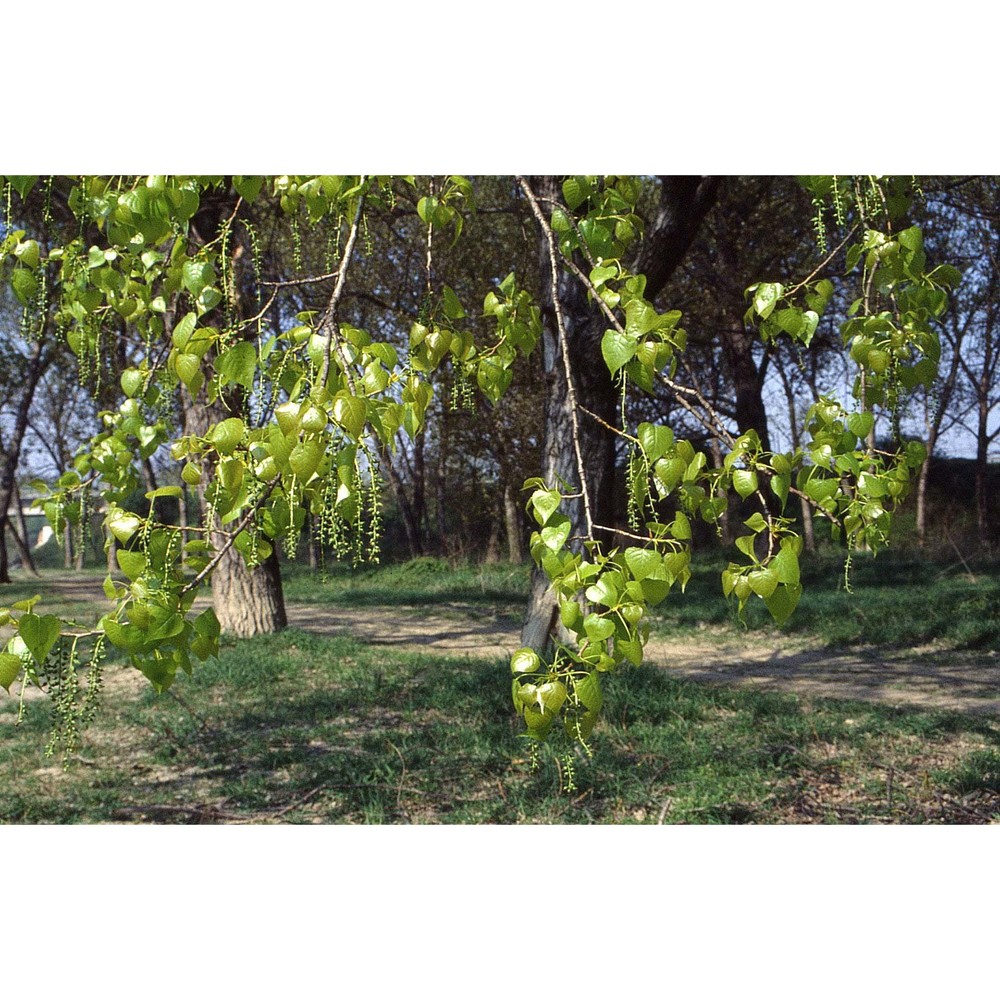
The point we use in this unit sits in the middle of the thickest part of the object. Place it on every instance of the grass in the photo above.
(897, 601)
(419, 582)
(299, 728)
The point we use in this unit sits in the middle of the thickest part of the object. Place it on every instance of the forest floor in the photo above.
(929, 676)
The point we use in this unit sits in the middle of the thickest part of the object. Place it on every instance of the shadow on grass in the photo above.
(328, 730)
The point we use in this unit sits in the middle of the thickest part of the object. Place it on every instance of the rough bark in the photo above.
(684, 201)
(247, 602)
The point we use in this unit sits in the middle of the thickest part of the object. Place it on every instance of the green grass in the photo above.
(419, 582)
(896, 601)
(298, 728)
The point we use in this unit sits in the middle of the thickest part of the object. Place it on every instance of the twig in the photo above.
(610, 427)
(968, 570)
(330, 314)
(301, 801)
(833, 253)
(217, 558)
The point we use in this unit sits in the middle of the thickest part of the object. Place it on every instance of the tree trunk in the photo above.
(492, 553)
(596, 391)
(38, 361)
(748, 384)
(19, 532)
(248, 602)
(512, 518)
(414, 536)
(982, 470)
(684, 201)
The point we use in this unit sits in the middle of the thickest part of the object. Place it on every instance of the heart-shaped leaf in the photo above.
(642, 562)
(546, 503)
(39, 634)
(655, 439)
(597, 628)
(783, 601)
(617, 350)
(351, 413)
(555, 533)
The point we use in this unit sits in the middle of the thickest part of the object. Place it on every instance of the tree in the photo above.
(291, 415)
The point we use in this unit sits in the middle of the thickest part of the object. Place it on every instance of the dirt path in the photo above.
(926, 677)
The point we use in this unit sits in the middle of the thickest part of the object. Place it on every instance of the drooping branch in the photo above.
(563, 347)
(329, 318)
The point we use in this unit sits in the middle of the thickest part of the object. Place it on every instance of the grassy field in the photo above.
(301, 728)
(895, 601)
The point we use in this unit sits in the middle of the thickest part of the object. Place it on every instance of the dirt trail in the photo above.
(926, 677)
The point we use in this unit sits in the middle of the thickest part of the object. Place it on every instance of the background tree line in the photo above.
(454, 490)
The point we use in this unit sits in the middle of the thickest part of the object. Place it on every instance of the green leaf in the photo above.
(604, 591)
(351, 413)
(25, 284)
(588, 690)
(780, 486)
(745, 482)
(782, 602)
(763, 582)
(766, 297)
(22, 184)
(525, 661)
(642, 563)
(617, 349)
(452, 307)
(786, 563)
(122, 524)
(681, 526)
(10, 668)
(183, 330)
(556, 531)
(305, 458)
(164, 491)
(570, 613)
(238, 365)
(670, 471)
(655, 440)
(131, 563)
(227, 434)
(28, 253)
(820, 489)
(598, 628)
(631, 649)
(654, 590)
(188, 368)
(576, 191)
(39, 634)
(196, 276)
(248, 187)
(546, 503)
(132, 381)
